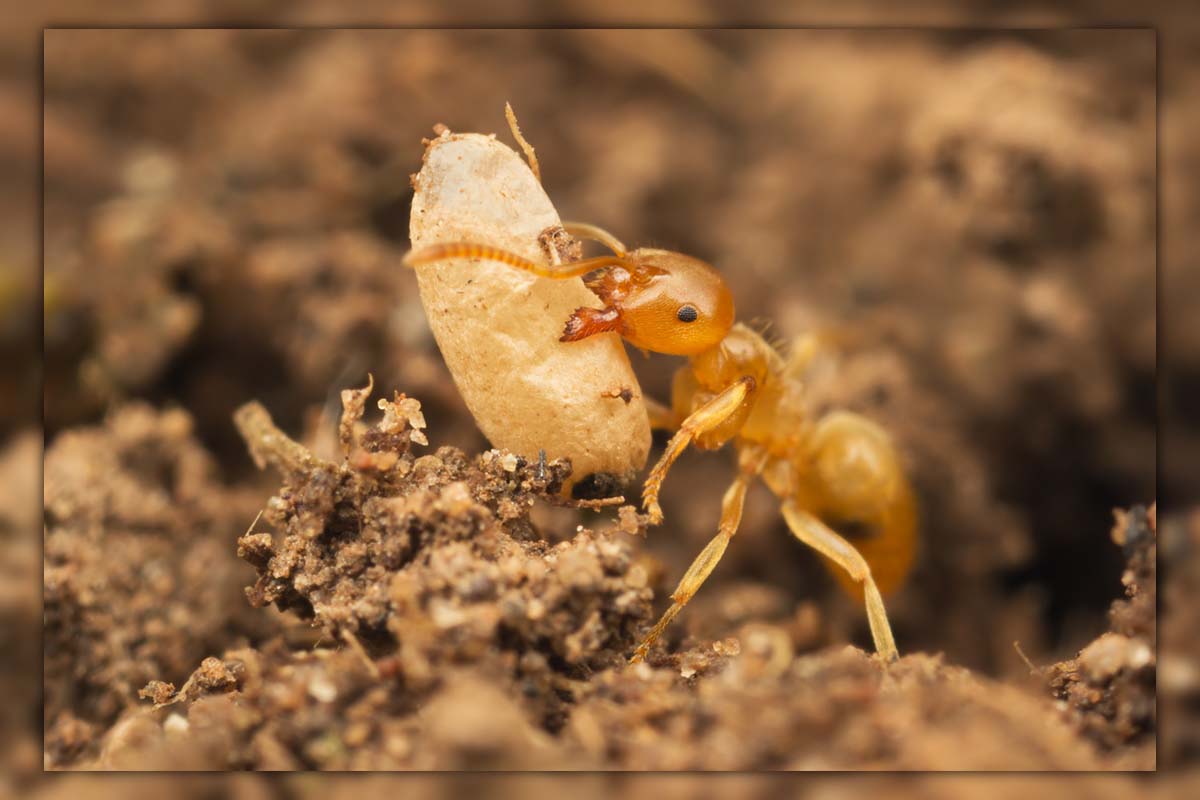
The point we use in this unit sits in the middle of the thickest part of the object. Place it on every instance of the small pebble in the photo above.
(176, 723)
(322, 690)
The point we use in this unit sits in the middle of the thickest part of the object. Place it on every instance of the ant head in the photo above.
(677, 305)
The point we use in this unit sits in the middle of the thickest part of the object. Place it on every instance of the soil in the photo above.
(454, 636)
(968, 219)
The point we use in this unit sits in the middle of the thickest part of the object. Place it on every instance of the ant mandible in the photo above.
(840, 470)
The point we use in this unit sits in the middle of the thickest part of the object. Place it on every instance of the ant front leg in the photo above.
(704, 419)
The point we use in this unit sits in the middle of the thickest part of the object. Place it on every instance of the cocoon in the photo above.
(498, 327)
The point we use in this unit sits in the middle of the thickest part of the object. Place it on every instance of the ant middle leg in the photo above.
(819, 536)
(703, 565)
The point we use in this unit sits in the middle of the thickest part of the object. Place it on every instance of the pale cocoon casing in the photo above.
(498, 327)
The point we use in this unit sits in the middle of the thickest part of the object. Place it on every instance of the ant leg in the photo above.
(820, 537)
(448, 250)
(662, 418)
(802, 353)
(582, 230)
(702, 566)
(704, 419)
(856, 479)
(816, 349)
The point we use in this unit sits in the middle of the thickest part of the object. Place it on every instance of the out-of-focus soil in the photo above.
(968, 219)
(137, 580)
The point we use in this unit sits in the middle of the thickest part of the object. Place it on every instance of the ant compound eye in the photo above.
(687, 314)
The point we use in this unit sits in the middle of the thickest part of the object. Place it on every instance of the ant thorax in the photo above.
(779, 416)
(742, 352)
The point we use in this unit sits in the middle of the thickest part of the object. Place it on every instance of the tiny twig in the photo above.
(1032, 669)
(257, 517)
(530, 155)
(270, 446)
(598, 503)
(357, 647)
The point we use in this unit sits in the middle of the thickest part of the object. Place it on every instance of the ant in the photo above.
(837, 471)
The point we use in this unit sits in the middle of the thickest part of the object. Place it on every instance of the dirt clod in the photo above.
(436, 559)
(1110, 688)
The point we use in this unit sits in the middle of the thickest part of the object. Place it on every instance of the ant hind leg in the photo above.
(817, 535)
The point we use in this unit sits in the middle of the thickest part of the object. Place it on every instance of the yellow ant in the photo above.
(840, 470)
